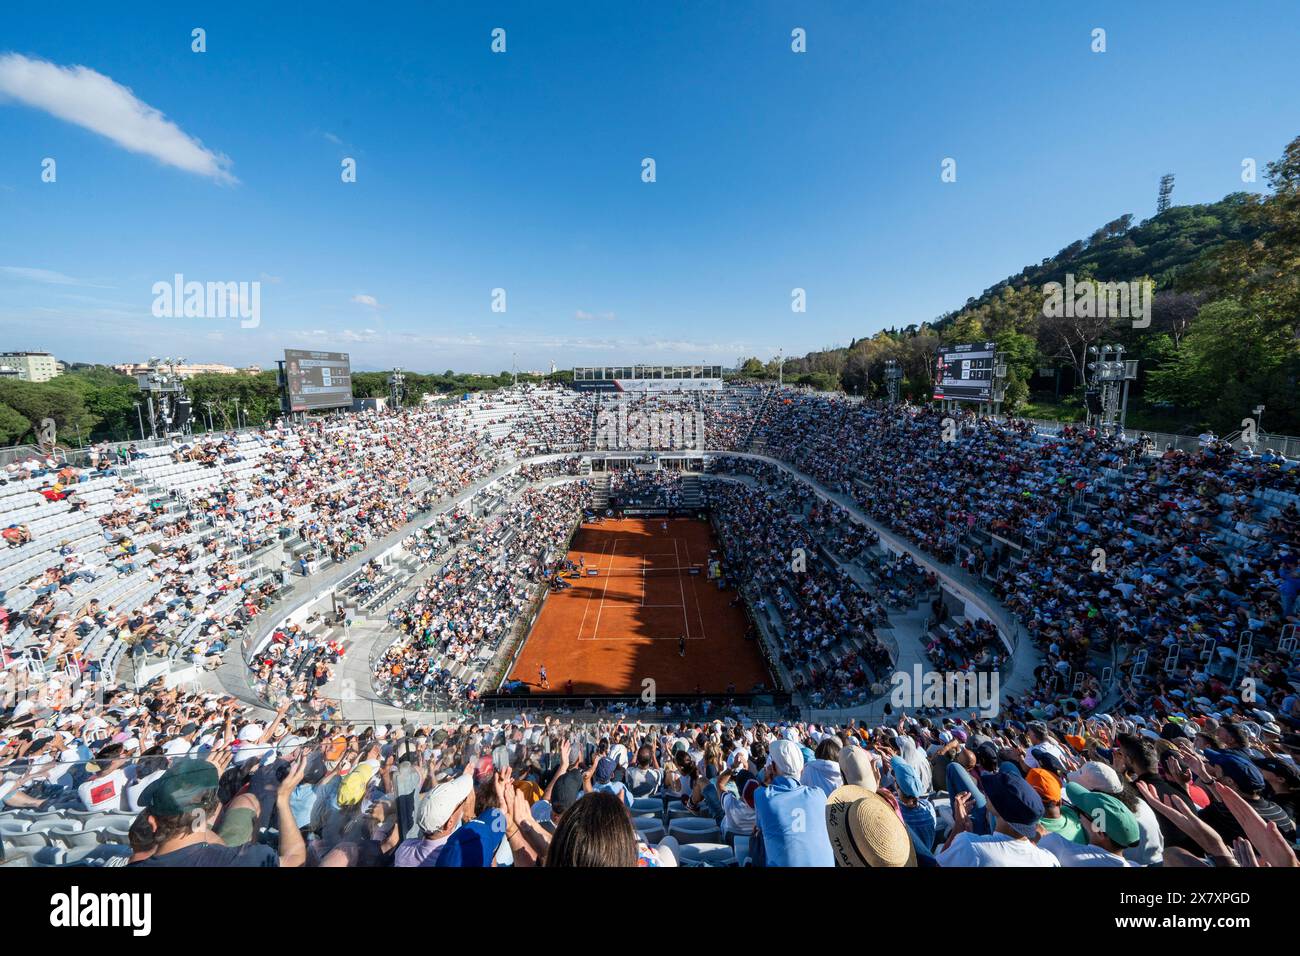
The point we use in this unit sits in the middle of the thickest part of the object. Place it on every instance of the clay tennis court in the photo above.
(621, 625)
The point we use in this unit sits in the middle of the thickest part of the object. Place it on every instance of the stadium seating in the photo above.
(1156, 593)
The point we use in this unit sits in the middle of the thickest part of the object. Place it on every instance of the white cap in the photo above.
(1098, 777)
(440, 803)
(290, 744)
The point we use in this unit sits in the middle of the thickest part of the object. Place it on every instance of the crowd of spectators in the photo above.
(1178, 570)
(1107, 553)
(163, 549)
(532, 419)
(457, 619)
(183, 779)
(131, 570)
(660, 488)
(654, 420)
(825, 620)
(1172, 565)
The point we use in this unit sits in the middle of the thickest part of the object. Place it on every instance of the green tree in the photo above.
(13, 426)
(36, 401)
(1232, 359)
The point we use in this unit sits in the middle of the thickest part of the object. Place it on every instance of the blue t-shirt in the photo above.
(792, 819)
(922, 820)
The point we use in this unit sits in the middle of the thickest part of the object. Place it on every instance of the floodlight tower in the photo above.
(1258, 412)
(165, 398)
(397, 387)
(998, 390)
(1111, 372)
(893, 379)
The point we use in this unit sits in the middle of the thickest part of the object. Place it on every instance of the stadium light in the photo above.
(893, 378)
(1111, 374)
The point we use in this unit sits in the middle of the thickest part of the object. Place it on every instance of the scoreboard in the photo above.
(317, 379)
(964, 373)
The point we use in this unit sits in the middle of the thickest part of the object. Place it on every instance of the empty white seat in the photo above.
(23, 840)
(649, 829)
(647, 805)
(56, 826)
(708, 854)
(694, 830)
(79, 838)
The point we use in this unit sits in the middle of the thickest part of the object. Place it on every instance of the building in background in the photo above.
(189, 371)
(648, 378)
(32, 366)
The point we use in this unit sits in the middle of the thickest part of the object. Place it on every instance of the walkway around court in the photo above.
(232, 676)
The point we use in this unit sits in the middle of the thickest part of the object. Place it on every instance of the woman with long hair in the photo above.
(595, 832)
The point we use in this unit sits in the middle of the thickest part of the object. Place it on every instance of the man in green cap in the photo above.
(182, 807)
(1110, 826)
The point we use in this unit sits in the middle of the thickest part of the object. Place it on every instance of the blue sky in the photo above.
(522, 170)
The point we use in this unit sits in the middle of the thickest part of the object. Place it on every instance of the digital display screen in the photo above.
(317, 379)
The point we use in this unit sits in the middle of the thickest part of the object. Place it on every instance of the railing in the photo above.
(596, 706)
(16, 453)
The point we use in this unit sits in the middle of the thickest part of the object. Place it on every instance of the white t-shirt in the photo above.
(133, 792)
(737, 815)
(968, 849)
(1079, 854)
(103, 793)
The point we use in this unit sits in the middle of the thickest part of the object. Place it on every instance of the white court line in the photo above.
(586, 605)
(624, 638)
(695, 591)
(682, 585)
(601, 610)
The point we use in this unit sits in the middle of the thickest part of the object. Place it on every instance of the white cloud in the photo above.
(95, 102)
(46, 277)
(341, 336)
(369, 301)
(582, 316)
(446, 341)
